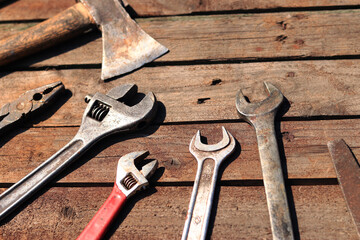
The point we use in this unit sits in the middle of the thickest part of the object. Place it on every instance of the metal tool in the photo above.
(129, 180)
(104, 115)
(125, 45)
(348, 174)
(29, 103)
(261, 115)
(209, 158)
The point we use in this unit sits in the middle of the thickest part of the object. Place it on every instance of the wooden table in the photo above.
(308, 49)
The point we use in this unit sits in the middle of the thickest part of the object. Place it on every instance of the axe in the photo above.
(125, 45)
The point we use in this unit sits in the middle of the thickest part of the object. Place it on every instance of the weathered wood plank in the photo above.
(42, 9)
(207, 92)
(304, 147)
(241, 214)
(224, 37)
(173, 7)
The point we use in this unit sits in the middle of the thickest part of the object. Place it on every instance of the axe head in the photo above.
(125, 45)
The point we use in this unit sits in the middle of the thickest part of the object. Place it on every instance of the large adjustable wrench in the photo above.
(104, 115)
(261, 115)
(209, 158)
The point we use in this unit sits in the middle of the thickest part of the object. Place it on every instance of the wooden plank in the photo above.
(174, 7)
(224, 37)
(206, 92)
(241, 214)
(42, 9)
(304, 148)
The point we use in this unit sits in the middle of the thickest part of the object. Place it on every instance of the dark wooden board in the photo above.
(206, 92)
(304, 147)
(309, 49)
(12, 10)
(233, 37)
(62, 212)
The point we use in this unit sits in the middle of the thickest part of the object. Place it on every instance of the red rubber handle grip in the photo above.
(102, 219)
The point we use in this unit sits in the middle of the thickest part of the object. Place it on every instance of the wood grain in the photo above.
(173, 7)
(64, 212)
(235, 37)
(212, 55)
(206, 92)
(42, 9)
(304, 149)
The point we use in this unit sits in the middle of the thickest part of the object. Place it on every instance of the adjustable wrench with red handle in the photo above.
(129, 180)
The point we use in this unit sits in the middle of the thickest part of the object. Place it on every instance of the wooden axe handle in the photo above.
(67, 24)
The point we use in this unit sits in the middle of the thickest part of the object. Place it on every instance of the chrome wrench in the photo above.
(209, 158)
(261, 115)
(104, 115)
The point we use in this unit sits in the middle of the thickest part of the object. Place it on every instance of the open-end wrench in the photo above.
(129, 180)
(104, 115)
(261, 115)
(209, 158)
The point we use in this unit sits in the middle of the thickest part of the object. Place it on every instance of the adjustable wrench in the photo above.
(261, 115)
(104, 115)
(129, 180)
(209, 158)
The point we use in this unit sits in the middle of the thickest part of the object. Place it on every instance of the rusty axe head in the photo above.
(125, 45)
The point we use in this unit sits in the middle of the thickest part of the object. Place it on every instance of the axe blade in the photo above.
(126, 46)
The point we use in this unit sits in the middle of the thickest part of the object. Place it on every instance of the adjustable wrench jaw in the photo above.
(107, 114)
(128, 178)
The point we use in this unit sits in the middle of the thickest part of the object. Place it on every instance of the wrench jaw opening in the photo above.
(261, 115)
(128, 177)
(209, 158)
(267, 107)
(216, 151)
(106, 114)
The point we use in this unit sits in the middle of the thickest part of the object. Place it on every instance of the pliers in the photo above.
(129, 180)
(28, 103)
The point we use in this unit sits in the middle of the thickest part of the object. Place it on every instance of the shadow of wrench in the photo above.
(261, 115)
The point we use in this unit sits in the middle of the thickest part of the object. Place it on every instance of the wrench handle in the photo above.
(198, 215)
(103, 218)
(31, 183)
(278, 207)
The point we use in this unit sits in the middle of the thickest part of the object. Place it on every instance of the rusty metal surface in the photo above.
(348, 174)
(125, 45)
(261, 115)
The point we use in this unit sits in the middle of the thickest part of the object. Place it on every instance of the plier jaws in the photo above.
(129, 179)
(28, 103)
